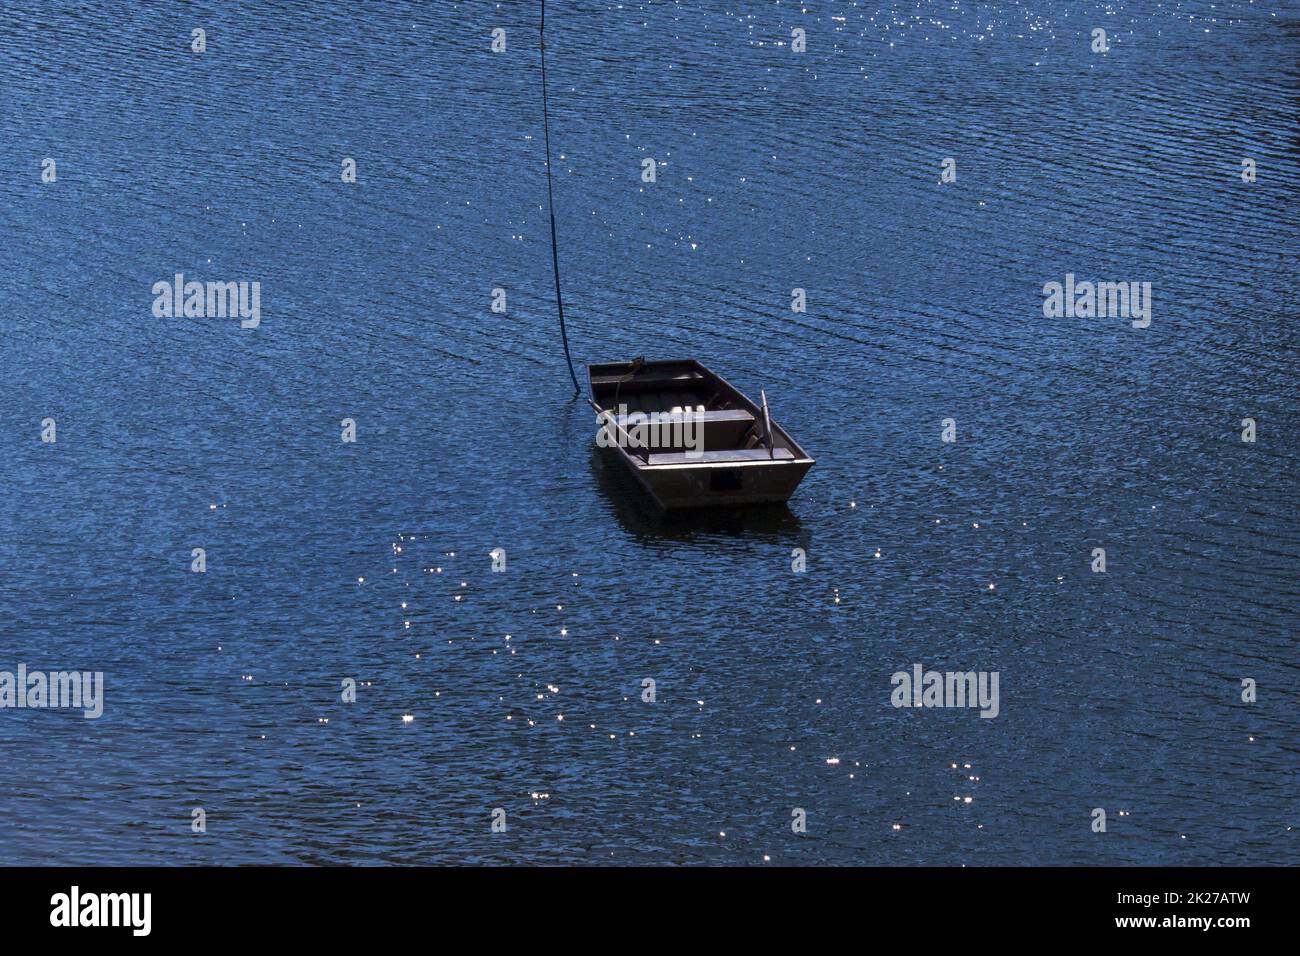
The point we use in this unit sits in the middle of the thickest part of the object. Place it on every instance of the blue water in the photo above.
(778, 170)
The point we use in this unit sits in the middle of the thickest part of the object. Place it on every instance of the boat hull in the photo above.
(675, 487)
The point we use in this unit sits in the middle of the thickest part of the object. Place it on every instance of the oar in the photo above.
(637, 448)
(767, 422)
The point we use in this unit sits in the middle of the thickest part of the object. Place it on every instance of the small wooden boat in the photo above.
(689, 438)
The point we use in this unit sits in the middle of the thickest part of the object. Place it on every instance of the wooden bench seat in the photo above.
(669, 431)
(646, 380)
(738, 415)
(716, 457)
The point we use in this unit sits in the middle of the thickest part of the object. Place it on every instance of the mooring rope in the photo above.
(550, 196)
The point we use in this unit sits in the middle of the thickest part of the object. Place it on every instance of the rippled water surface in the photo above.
(328, 561)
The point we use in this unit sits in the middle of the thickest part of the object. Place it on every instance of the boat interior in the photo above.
(732, 428)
